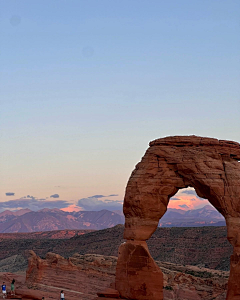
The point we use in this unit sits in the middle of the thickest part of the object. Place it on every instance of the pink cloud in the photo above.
(187, 202)
(72, 208)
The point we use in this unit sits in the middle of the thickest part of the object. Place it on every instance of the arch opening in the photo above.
(187, 209)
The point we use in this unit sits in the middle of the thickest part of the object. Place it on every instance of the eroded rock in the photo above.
(79, 276)
(137, 274)
(91, 275)
(210, 166)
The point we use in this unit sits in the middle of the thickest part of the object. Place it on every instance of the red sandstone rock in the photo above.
(96, 272)
(80, 276)
(107, 298)
(210, 166)
(109, 293)
(29, 294)
(233, 225)
(137, 275)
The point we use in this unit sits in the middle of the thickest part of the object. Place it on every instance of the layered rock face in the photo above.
(80, 276)
(210, 166)
(84, 276)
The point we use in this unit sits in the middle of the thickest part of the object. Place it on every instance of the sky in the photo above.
(85, 85)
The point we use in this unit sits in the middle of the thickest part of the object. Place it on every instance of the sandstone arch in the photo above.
(210, 166)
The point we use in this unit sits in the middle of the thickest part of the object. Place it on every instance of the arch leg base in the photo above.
(137, 275)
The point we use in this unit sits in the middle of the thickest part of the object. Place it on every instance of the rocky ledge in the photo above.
(89, 274)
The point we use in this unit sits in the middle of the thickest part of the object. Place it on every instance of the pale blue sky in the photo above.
(85, 85)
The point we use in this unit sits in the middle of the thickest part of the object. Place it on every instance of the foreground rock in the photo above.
(85, 276)
(210, 166)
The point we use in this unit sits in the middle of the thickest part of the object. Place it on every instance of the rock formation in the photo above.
(210, 166)
(139, 273)
(79, 276)
(84, 276)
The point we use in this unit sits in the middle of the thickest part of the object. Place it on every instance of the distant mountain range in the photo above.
(205, 216)
(8, 215)
(56, 219)
(25, 220)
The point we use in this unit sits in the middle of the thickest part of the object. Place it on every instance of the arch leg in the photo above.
(233, 227)
(137, 275)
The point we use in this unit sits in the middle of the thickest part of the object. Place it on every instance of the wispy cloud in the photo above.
(93, 203)
(190, 192)
(54, 196)
(187, 199)
(184, 206)
(32, 203)
(175, 198)
(102, 196)
(9, 194)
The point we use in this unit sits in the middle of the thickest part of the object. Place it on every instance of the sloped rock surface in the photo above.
(83, 276)
(13, 263)
(86, 275)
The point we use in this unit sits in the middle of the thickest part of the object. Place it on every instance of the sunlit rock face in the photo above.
(137, 274)
(208, 165)
(85, 276)
(80, 276)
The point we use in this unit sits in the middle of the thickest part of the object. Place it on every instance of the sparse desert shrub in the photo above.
(199, 274)
(168, 287)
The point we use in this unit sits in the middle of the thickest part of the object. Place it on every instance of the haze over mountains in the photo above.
(56, 219)
(205, 216)
(25, 220)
